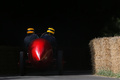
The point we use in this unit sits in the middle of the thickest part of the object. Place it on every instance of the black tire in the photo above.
(60, 62)
(22, 63)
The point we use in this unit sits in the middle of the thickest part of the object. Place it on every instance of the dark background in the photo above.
(76, 23)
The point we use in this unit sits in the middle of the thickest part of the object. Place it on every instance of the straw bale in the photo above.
(115, 53)
(105, 53)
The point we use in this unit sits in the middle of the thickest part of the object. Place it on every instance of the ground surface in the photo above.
(52, 75)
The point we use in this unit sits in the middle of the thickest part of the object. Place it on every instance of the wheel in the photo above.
(60, 62)
(22, 63)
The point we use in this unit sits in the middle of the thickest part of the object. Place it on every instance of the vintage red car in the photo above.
(40, 56)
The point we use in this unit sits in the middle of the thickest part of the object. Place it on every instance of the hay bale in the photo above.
(105, 54)
(115, 53)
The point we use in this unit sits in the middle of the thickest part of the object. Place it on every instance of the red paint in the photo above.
(40, 53)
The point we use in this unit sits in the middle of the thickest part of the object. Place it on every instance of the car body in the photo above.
(40, 55)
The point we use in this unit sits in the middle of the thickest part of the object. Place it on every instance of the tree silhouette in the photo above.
(112, 28)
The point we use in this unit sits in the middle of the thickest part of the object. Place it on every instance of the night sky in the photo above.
(76, 23)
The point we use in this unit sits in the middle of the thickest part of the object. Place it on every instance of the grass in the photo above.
(108, 73)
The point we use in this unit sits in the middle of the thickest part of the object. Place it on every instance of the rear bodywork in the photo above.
(40, 53)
